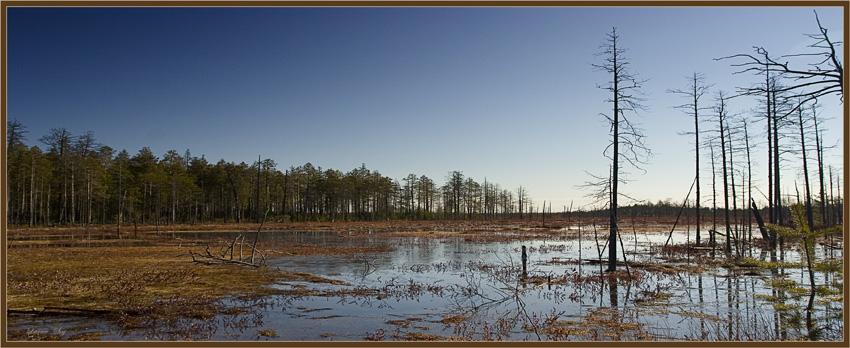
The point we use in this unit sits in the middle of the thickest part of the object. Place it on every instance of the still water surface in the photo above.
(420, 288)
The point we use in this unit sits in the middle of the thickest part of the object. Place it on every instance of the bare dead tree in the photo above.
(694, 91)
(819, 151)
(749, 224)
(711, 238)
(779, 114)
(628, 140)
(776, 114)
(808, 193)
(823, 77)
(730, 138)
(722, 113)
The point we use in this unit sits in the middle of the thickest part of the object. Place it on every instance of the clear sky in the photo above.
(503, 93)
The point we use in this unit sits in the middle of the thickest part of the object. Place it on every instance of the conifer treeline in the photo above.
(76, 180)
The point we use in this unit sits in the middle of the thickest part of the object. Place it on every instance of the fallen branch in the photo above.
(217, 260)
(764, 233)
(257, 236)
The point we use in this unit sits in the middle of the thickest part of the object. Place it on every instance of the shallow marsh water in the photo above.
(454, 288)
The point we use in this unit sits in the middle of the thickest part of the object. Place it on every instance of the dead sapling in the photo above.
(210, 259)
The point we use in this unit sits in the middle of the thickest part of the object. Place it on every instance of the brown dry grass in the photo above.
(128, 279)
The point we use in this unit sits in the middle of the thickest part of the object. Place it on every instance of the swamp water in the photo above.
(453, 288)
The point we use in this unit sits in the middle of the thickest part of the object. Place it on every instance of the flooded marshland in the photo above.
(474, 286)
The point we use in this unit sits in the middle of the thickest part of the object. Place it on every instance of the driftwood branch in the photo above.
(210, 259)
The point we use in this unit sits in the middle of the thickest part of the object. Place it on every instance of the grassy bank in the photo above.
(131, 285)
(120, 280)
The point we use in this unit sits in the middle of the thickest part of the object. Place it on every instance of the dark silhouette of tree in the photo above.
(522, 200)
(712, 235)
(472, 197)
(59, 140)
(819, 151)
(16, 150)
(722, 114)
(408, 197)
(628, 140)
(823, 77)
(122, 174)
(453, 193)
(744, 126)
(15, 137)
(426, 196)
(808, 193)
(86, 149)
(694, 91)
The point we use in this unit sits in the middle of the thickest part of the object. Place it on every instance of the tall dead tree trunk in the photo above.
(809, 214)
(736, 229)
(711, 236)
(257, 205)
(695, 90)
(777, 196)
(623, 87)
(768, 109)
(721, 112)
(749, 182)
(819, 152)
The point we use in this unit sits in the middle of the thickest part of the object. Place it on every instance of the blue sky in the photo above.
(503, 93)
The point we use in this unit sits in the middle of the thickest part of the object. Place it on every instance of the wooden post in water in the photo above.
(524, 260)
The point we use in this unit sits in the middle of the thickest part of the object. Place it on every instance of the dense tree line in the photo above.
(75, 180)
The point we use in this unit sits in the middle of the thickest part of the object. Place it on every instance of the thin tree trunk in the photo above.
(809, 215)
(120, 175)
(776, 188)
(173, 199)
(73, 198)
(32, 191)
(734, 197)
(819, 151)
(749, 186)
(257, 237)
(90, 197)
(711, 235)
(612, 227)
(696, 161)
(771, 210)
(725, 181)
(257, 205)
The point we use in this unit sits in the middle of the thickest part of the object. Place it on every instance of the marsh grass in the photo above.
(131, 286)
(119, 278)
(142, 284)
(598, 324)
